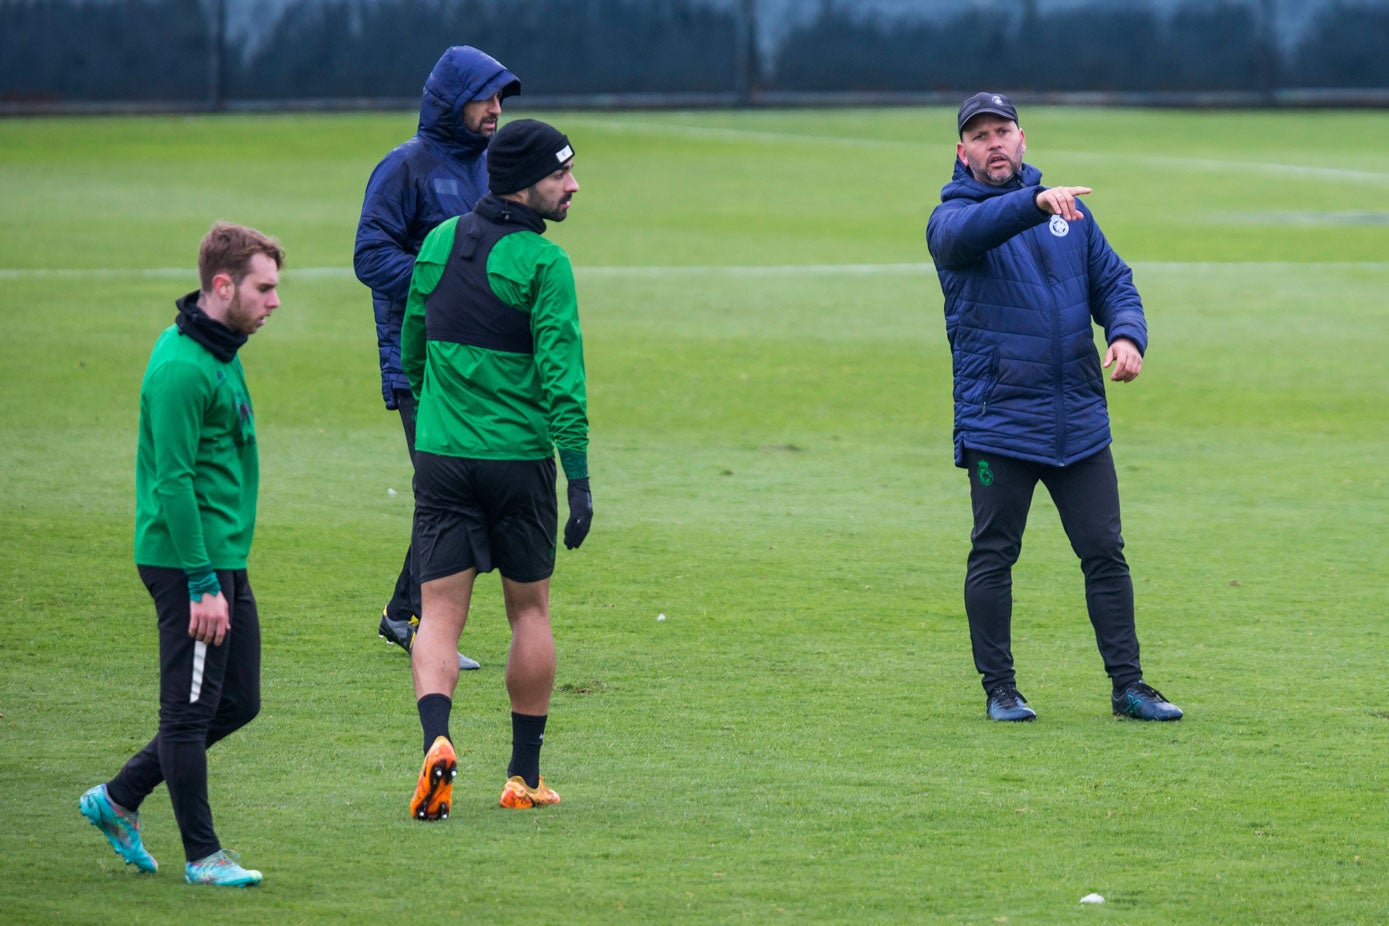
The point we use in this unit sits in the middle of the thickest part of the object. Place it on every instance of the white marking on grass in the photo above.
(1294, 171)
(40, 273)
(734, 270)
(725, 133)
(1257, 266)
(151, 273)
(761, 271)
(22, 273)
(1305, 217)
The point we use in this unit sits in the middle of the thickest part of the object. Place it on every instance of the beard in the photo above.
(998, 175)
(486, 127)
(551, 210)
(240, 319)
(1001, 178)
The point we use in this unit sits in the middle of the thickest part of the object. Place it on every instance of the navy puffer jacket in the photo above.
(1022, 290)
(439, 173)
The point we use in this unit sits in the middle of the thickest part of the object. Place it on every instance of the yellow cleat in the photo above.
(517, 796)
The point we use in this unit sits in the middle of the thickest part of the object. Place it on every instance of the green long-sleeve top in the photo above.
(196, 469)
(490, 404)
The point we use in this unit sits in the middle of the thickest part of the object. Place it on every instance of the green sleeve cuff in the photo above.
(574, 463)
(203, 583)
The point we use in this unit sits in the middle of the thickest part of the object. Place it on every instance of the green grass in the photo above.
(802, 740)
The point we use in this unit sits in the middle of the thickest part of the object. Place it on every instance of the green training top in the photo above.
(489, 404)
(196, 470)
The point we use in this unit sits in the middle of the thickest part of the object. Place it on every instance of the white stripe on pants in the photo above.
(199, 661)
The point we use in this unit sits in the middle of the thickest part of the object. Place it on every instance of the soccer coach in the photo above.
(492, 350)
(1027, 274)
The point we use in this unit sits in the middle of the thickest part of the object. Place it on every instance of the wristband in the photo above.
(203, 583)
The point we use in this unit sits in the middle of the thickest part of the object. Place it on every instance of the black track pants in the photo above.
(1086, 495)
(405, 598)
(205, 693)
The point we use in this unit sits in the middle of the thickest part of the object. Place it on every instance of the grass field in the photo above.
(802, 740)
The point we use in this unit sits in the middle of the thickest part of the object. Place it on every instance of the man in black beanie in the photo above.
(524, 153)
(491, 348)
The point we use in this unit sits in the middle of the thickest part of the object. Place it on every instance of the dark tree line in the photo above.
(126, 50)
(161, 50)
(1202, 47)
(338, 48)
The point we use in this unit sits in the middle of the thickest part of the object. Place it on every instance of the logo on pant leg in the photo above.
(986, 475)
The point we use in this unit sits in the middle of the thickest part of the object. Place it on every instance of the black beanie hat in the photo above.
(523, 153)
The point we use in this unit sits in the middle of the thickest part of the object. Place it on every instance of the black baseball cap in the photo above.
(985, 102)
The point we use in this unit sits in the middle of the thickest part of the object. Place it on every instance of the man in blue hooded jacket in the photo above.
(1026, 272)
(438, 174)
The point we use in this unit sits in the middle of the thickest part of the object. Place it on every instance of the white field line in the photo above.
(1211, 165)
(720, 133)
(775, 270)
(1161, 162)
(165, 273)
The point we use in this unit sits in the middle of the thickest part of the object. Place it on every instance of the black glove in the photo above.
(580, 513)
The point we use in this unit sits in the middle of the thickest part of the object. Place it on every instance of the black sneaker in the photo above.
(402, 634)
(1144, 702)
(1007, 703)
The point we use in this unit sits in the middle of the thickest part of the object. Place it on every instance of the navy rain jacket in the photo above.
(439, 173)
(1021, 289)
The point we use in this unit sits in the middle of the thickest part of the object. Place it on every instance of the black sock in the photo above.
(434, 717)
(527, 736)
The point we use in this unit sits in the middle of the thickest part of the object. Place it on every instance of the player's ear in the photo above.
(223, 285)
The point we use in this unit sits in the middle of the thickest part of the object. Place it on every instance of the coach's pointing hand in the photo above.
(580, 513)
(1061, 200)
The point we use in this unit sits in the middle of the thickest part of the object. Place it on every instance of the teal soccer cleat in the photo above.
(221, 868)
(122, 829)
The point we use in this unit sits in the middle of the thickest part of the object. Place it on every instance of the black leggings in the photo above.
(205, 693)
(1086, 495)
(405, 597)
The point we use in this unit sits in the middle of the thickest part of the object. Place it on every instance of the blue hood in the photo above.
(461, 75)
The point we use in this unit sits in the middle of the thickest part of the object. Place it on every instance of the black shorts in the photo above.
(484, 514)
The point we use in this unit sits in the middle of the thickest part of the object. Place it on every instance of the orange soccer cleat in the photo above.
(518, 796)
(434, 792)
